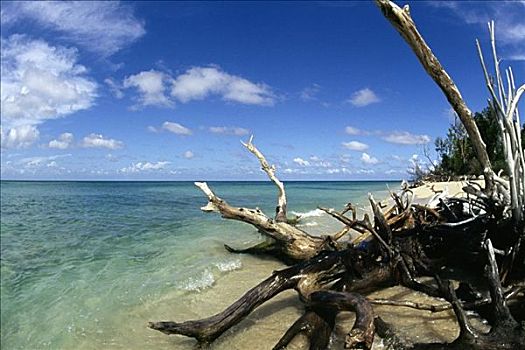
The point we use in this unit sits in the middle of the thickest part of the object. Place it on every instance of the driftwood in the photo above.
(480, 236)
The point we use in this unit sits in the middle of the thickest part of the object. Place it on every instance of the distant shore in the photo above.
(454, 188)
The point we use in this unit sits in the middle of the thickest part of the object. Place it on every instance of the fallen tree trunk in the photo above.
(406, 241)
(290, 244)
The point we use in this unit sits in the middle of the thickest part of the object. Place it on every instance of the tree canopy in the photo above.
(455, 151)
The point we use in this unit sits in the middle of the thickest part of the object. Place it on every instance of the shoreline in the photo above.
(270, 321)
(454, 188)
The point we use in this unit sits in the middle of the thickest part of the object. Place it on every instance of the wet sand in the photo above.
(264, 327)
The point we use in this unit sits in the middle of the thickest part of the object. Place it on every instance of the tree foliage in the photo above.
(456, 153)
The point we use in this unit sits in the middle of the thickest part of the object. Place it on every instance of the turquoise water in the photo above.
(87, 264)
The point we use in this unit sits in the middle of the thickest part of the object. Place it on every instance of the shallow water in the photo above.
(85, 265)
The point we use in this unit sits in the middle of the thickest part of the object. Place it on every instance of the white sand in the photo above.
(263, 328)
(454, 188)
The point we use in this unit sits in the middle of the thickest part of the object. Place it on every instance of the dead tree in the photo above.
(285, 241)
(400, 244)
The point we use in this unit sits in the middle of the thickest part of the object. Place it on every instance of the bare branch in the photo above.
(403, 23)
(280, 211)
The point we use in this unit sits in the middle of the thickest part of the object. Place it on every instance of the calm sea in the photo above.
(88, 264)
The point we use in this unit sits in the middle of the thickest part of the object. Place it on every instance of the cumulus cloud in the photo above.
(63, 141)
(151, 87)
(39, 82)
(144, 167)
(99, 141)
(176, 128)
(342, 170)
(233, 130)
(367, 159)
(19, 137)
(363, 97)
(104, 27)
(406, 138)
(188, 155)
(350, 130)
(355, 146)
(301, 161)
(115, 88)
(38, 162)
(394, 171)
(198, 83)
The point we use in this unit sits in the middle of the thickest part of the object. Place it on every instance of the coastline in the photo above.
(108, 279)
(454, 188)
(264, 327)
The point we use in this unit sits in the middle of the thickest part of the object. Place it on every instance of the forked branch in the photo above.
(280, 210)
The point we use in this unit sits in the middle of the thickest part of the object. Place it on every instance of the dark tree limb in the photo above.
(318, 325)
(363, 331)
(503, 318)
(305, 277)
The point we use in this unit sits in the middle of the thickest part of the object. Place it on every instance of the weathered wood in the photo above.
(362, 333)
(280, 210)
(402, 21)
(318, 324)
(291, 243)
(330, 276)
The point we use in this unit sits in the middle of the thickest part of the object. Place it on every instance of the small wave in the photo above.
(309, 214)
(310, 224)
(205, 280)
(226, 266)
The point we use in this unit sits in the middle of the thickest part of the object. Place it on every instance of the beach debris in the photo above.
(450, 238)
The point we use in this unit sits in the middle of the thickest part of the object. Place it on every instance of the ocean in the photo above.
(85, 265)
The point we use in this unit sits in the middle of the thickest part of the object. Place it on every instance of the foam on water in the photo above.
(309, 214)
(86, 265)
(309, 224)
(205, 280)
(226, 266)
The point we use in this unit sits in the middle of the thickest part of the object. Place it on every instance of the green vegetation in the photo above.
(455, 152)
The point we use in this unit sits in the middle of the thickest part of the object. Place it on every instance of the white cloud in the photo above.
(234, 130)
(301, 161)
(151, 87)
(355, 145)
(508, 18)
(363, 97)
(345, 158)
(37, 162)
(40, 82)
(144, 167)
(115, 88)
(176, 128)
(342, 170)
(200, 82)
(98, 141)
(104, 27)
(152, 129)
(188, 155)
(350, 130)
(406, 138)
(310, 93)
(367, 159)
(63, 141)
(19, 137)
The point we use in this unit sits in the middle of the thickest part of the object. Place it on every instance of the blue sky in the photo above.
(166, 90)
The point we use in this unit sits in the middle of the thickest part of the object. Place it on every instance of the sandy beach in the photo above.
(453, 188)
(263, 328)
